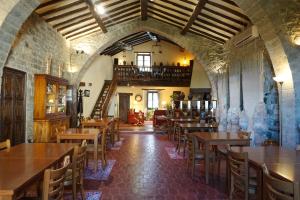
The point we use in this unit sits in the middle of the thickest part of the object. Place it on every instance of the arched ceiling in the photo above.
(128, 42)
(217, 20)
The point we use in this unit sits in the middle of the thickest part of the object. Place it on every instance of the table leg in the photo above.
(96, 154)
(206, 163)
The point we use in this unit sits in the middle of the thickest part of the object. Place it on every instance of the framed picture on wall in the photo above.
(87, 93)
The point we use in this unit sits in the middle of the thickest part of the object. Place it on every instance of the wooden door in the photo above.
(124, 106)
(12, 124)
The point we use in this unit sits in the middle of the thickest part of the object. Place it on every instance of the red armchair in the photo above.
(136, 118)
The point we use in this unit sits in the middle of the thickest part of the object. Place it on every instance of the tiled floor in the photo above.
(143, 170)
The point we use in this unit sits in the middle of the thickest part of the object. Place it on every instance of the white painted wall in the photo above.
(101, 69)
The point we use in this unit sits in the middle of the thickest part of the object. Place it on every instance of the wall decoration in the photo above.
(138, 98)
(87, 93)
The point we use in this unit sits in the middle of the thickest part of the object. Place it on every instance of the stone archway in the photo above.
(266, 16)
(197, 45)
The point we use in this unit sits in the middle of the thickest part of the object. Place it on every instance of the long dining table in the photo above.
(24, 164)
(83, 134)
(196, 126)
(281, 162)
(219, 138)
(92, 123)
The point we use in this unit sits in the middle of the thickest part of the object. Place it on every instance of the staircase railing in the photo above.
(111, 91)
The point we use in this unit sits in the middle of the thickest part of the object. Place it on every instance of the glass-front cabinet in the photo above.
(49, 107)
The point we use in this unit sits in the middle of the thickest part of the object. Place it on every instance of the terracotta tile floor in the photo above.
(143, 170)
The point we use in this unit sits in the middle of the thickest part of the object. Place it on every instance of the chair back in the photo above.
(53, 184)
(193, 145)
(279, 189)
(239, 171)
(5, 144)
(79, 158)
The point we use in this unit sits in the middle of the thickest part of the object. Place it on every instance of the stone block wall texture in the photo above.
(36, 41)
(250, 68)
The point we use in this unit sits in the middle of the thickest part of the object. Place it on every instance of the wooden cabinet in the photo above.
(49, 107)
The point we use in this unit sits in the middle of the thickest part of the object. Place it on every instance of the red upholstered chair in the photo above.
(159, 117)
(136, 118)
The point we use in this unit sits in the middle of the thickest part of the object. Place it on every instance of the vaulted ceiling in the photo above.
(135, 39)
(217, 20)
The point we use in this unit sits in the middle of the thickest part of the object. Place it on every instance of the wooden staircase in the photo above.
(103, 102)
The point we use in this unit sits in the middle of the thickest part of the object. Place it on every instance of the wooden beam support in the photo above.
(163, 21)
(115, 20)
(49, 3)
(96, 16)
(66, 14)
(168, 8)
(208, 35)
(119, 22)
(144, 5)
(111, 11)
(52, 11)
(80, 32)
(71, 20)
(178, 5)
(229, 10)
(78, 28)
(122, 11)
(214, 25)
(75, 23)
(221, 22)
(167, 18)
(197, 10)
(212, 31)
(167, 14)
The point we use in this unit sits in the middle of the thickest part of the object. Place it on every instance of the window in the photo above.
(143, 61)
(152, 100)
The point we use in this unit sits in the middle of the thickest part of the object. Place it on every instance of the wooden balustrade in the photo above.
(155, 75)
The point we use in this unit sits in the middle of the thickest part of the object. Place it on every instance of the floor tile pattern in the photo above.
(144, 170)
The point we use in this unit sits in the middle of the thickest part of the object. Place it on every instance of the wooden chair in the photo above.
(181, 139)
(239, 175)
(275, 188)
(5, 144)
(101, 147)
(75, 173)
(195, 154)
(53, 184)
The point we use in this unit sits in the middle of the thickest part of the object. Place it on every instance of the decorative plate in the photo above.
(138, 98)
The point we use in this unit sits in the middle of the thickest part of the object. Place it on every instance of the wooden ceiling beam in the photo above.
(214, 25)
(167, 18)
(209, 35)
(111, 11)
(110, 17)
(114, 3)
(163, 21)
(66, 14)
(188, 2)
(230, 2)
(52, 11)
(119, 22)
(75, 23)
(178, 5)
(234, 12)
(96, 16)
(166, 14)
(168, 8)
(139, 34)
(225, 16)
(49, 3)
(71, 20)
(115, 20)
(221, 22)
(135, 38)
(141, 42)
(83, 31)
(144, 5)
(116, 52)
(78, 28)
(211, 30)
(197, 10)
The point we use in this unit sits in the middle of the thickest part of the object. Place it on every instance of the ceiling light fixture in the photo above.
(99, 9)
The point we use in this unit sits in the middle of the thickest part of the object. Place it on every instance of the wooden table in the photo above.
(24, 164)
(283, 163)
(219, 138)
(198, 127)
(83, 134)
(184, 120)
(95, 123)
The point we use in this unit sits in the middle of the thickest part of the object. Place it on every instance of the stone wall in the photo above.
(36, 41)
(250, 83)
